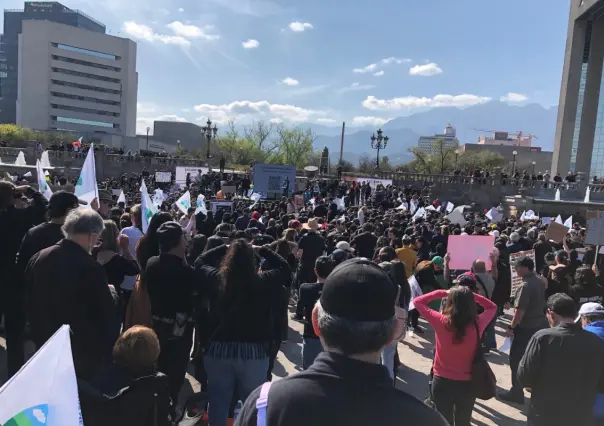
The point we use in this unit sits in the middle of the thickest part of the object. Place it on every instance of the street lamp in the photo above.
(148, 130)
(378, 143)
(456, 155)
(210, 133)
(534, 162)
(514, 163)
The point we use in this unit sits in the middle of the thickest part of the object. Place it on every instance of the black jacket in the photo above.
(36, 239)
(66, 285)
(251, 320)
(337, 390)
(564, 368)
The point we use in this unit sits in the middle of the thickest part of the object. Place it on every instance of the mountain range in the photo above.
(470, 123)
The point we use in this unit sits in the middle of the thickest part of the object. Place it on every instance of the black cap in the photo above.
(359, 290)
(169, 235)
(525, 261)
(61, 202)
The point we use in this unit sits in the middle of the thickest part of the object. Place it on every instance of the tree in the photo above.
(439, 160)
(347, 166)
(259, 135)
(366, 165)
(295, 145)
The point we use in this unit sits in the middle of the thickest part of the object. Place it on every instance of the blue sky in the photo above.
(327, 61)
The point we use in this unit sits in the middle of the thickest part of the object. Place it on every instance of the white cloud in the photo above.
(393, 60)
(143, 32)
(145, 107)
(368, 121)
(427, 70)
(379, 73)
(250, 44)
(514, 98)
(355, 87)
(364, 70)
(261, 110)
(276, 121)
(326, 120)
(290, 81)
(413, 102)
(299, 27)
(180, 9)
(192, 31)
(143, 122)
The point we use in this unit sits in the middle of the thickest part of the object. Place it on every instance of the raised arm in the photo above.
(490, 309)
(280, 271)
(435, 318)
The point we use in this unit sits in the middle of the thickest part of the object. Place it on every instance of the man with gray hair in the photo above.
(355, 320)
(65, 285)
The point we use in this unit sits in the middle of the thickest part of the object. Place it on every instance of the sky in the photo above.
(359, 61)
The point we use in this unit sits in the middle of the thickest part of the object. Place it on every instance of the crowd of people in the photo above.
(214, 291)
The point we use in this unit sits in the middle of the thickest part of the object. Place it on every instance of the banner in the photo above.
(595, 229)
(221, 205)
(269, 178)
(163, 177)
(516, 280)
(45, 390)
(374, 182)
(181, 173)
(465, 249)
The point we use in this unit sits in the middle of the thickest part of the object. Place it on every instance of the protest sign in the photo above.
(546, 220)
(465, 249)
(456, 216)
(221, 205)
(163, 176)
(45, 390)
(595, 229)
(299, 201)
(269, 178)
(556, 232)
(516, 280)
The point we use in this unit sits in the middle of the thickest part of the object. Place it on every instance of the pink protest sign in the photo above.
(465, 249)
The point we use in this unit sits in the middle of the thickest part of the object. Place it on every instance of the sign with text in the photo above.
(299, 200)
(465, 249)
(181, 173)
(516, 280)
(595, 228)
(163, 177)
(221, 205)
(269, 178)
(556, 232)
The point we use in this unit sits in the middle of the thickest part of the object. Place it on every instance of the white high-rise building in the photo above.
(427, 143)
(76, 80)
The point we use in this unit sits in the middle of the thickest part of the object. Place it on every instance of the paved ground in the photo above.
(415, 354)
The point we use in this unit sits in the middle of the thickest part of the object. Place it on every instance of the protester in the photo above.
(237, 353)
(309, 294)
(355, 320)
(586, 288)
(529, 317)
(134, 232)
(458, 331)
(116, 266)
(564, 368)
(365, 242)
(407, 255)
(67, 286)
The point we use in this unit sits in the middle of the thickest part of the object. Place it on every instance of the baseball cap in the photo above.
(339, 256)
(294, 224)
(62, 201)
(344, 246)
(438, 261)
(359, 290)
(169, 234)
(524, 261)
(256, 215)
(590, 308)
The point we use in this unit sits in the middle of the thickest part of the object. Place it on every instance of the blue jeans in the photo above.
(489, 335)
(224, 374)
(310, 349)
(388, 357)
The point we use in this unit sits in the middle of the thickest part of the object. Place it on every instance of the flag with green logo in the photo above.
(42, 184)
(147, 206)
(86, 188)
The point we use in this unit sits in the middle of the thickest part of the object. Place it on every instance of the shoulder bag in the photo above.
(484, 381)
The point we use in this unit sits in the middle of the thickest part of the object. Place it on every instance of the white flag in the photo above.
(28, 174)
(45, 390)
(86, 188)
(340, 203)
(431, 208)
(450, 207)
(420, 213)
(42, 185)
(559, 220)
(523, 216)
(557, 197)
(184, 202)
(201, 205)
(159, 197)
(255, 197)
(587, 194)
(147, 206)
(122, 198)
(416, 291)
(413, 205)
(403, 206)
(569, 222)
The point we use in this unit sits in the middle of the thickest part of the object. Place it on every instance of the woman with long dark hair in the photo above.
(458, 329)
(586, 288)
(237, 354)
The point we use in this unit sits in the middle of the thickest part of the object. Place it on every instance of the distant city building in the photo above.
(525, 155)
(74, 79)
(502, 138)
(187, 135)
(9, 45)
(428, 144)
(579, 144)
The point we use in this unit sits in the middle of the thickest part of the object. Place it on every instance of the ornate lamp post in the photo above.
(515, 153)
(210, 133)
(378, 143)
(534, 162)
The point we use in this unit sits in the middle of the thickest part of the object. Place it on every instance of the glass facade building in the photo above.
(9, 47)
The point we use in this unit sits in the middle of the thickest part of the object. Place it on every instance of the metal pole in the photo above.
(377, 161)
(342, 142)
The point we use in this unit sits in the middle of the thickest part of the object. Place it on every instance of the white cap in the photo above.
(343, 245)
(590, 308)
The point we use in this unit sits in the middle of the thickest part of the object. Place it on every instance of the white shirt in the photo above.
(361, 217)
(134, 234)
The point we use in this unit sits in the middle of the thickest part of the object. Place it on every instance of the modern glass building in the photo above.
(9, 45)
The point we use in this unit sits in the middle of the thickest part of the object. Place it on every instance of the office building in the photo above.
(502, 138)
(428, 144)
(9, 49)
(179, 133)
(579, 144)
(73, 79)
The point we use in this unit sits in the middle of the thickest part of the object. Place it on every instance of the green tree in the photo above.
(440, 160)
(295, 145)
(366, 164)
